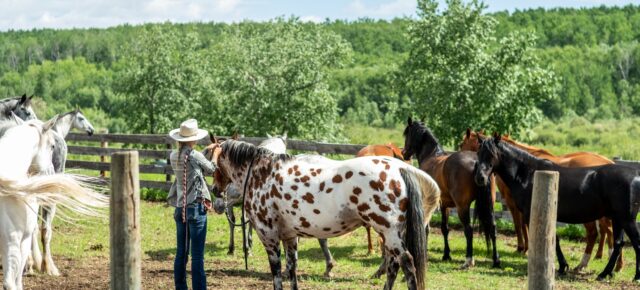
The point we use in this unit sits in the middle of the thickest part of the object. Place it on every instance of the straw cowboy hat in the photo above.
(188, 131)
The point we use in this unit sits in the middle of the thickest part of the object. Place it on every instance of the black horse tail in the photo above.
(484, 210)
(424, 197)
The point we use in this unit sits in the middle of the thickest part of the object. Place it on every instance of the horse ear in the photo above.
(235, 136)
(49, 124)
(468, 132)
(23, 99)
(496, 137)
(423, 118)
(212, 138)
(409, 121)
(269, 136)
(284, 136)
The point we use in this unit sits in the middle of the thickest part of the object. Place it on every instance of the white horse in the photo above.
(65, 123)
(301, 196)
(25, 149)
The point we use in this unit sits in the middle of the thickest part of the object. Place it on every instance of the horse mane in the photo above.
(526, 146)
(241, 152)
(517, 153)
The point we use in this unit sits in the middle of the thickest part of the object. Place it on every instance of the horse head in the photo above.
(418, 141)
(81, 122)
(23, 108)
(488, 159)
(471, 140)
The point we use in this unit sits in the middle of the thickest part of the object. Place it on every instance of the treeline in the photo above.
(594, 54)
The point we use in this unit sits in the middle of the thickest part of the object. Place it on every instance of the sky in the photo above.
(28, 14)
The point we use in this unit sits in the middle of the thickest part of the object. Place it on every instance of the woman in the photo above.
(190, 196)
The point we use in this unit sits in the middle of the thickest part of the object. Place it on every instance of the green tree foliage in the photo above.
(163, 77)
(460, 76)
(275, 80)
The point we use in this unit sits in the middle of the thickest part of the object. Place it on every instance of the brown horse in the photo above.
(379, 150)
(577, 159)
(454, 174)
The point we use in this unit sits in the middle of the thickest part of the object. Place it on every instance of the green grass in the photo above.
(91, 239)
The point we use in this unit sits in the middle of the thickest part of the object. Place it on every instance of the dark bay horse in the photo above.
(312, 196)
(379, 150)
(454, 175)
(584, 194)
(471, 142)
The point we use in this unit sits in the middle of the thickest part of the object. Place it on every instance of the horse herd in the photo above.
(32, 177)
(286, 197)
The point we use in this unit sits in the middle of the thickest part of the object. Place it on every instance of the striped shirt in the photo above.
(197, 168)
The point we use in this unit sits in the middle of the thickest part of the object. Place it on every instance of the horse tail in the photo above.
(485, 197)
(74, 192)
(424, 197)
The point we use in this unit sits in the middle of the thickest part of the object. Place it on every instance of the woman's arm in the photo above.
(207, 166)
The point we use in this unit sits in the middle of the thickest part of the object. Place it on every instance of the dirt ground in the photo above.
(93, 273)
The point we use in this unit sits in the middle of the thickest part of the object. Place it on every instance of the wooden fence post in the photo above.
(168, 176)
(542, 228)
(103, 158)
(124, 220)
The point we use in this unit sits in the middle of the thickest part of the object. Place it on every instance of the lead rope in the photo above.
(184, 206)
(243, 221)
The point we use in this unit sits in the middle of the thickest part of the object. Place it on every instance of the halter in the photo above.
(243, 221)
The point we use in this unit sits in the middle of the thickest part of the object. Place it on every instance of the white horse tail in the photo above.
(74, 192)
(423, 196)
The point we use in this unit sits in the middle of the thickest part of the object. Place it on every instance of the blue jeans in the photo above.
(194, 231)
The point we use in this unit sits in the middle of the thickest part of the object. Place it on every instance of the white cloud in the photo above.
(27, 14)
(384, 10)
(312, 18)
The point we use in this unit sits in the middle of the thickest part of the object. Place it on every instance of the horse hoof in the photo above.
(603, 277)
(469, 263)
(53, 272)
(230, 253)
(446, 257)
(328, 275)
(496, 265)
(578, 268)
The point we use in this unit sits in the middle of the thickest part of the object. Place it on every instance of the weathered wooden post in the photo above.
(124, 220)
(542, 227)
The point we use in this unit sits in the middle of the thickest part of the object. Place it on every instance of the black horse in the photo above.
(584, 194)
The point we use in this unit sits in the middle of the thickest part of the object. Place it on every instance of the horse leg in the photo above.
(392, 271)
(592, 235)
(330, 262)
(273, 251)
(11, 262)
(232, 222)
(250, 238)
(25, 247)
(369, 242)
(291, 250)
(632, 232)
(564, 266)
(444, 226)
(494, 236)
(617, 248)
(468, 234)
(605, 234)
(516, 215)
(46, 230)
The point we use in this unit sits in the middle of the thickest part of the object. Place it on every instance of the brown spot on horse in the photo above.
(322, 186)
(363, 207)
(275, 192)
(383, 176)
(353, 199)
(308, 197)
(329, 190)
(403, 203)
(294, 187)
(376, 185)
(348, 174)
(287, 196)
(305, 178)
(376, 161)
(316, 211)
(337, 178)
(290, 171)
(379, 220)
(357, 190)
(396, 187)
(304, 222)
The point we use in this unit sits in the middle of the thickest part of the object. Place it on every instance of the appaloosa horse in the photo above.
(454, 175)
(584, 194)
(471, 142)
(311, 196)
(233, 196)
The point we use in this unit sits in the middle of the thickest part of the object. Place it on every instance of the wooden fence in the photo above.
(102, 149)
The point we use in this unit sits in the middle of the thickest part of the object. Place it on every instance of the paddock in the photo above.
(81, 251)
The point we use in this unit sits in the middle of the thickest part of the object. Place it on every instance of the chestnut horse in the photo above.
(454, 175)
(577, 159)
(379, 150)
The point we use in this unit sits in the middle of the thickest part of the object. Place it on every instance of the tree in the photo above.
(274, 79)
(162, 77)
(459, 75)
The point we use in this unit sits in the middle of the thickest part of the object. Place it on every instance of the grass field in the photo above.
(82, 249)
